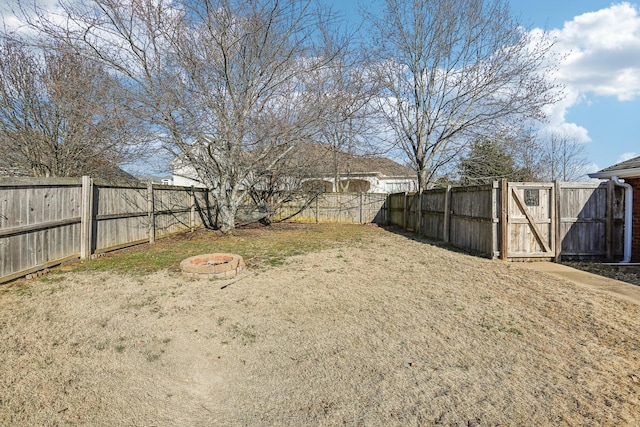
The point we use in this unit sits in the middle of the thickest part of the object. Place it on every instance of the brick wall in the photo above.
(635, 246)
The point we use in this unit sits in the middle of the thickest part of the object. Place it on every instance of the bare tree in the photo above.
(61, 115)
(347, 92)
(350, 125)
(526, 151)
(563, 158)
(456, 71)
(288, 180)
(223, 82)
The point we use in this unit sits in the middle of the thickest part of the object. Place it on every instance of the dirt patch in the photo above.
(387, 331)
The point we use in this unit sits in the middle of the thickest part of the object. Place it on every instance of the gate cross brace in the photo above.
(531, 220)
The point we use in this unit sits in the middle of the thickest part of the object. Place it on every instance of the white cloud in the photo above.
(587, 169)
(602, 51)
(556, 115)
(626, 156)
(14, 12)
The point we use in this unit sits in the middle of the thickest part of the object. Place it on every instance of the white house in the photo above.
(338, 171)
(185, 175)
(320, 167)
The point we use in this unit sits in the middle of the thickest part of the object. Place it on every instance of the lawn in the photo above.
(329, 325)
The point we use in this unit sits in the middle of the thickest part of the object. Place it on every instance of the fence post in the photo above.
(420, 221)
(151, 213)
(361, 207)
(610, 224)
(504, 200)
(405, 216)
(86, 218)
(317, 207)
(387, 210)
(192, 218)
(557, 217)
(209, 207)
(446, 227)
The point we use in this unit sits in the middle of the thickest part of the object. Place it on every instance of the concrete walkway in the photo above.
(623, 290)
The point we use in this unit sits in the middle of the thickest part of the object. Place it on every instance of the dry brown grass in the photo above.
(385, 330)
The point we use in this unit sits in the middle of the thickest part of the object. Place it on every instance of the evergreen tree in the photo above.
(487, 161)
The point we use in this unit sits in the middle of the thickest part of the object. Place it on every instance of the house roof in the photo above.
(323, 160)
(315, 160)
(627, 169)
(98, 168)
(11, 171)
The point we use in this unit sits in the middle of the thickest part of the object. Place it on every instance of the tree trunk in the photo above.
(423, 179)
(227, 216)
(228, 203)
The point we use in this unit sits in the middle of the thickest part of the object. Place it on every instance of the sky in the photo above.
(600, 41)
(601, 72)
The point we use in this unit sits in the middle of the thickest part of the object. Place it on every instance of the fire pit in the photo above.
(212, 266)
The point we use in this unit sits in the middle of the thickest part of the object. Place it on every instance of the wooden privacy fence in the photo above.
(45, 222)
(517, 220)
(353, 208)
(48, 222)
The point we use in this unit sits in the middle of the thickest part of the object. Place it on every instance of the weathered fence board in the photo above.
(352, 208)
(541, 220)
(463, 216)
(583, 220)
(120, 216)
(396, 207)
(46, 222)
(531, 220)
(38, 225)
(173, 210)
(471, 218)
(434, 207)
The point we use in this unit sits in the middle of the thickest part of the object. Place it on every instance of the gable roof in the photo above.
(321, 157)
(627, 169)
(11, 171)
(98, 168)
(315, 160)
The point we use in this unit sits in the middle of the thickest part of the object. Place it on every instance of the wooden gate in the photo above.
(530, 226)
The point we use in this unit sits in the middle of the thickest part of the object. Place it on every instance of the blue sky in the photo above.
(601, 73)
(601, 41)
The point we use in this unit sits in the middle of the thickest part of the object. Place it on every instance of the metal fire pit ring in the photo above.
(212, 266)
